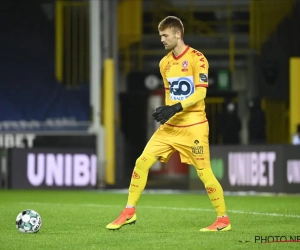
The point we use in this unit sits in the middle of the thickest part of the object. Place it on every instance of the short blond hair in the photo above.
(171, 22)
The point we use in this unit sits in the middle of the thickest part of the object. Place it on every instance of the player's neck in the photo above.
(178, 50)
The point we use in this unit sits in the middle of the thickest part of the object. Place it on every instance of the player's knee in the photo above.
(145, 161)
(206, 175)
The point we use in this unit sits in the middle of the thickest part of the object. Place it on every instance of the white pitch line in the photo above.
(167, 208)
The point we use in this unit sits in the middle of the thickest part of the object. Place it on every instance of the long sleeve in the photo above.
(199, 95)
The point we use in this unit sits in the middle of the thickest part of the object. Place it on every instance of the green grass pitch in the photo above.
(77, 219)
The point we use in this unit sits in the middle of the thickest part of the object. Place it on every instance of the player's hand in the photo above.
(164, 113)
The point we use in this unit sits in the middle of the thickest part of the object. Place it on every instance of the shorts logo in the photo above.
(135, 175)
(203, 77)
(210, 190)
(197, 150)
(181, 88)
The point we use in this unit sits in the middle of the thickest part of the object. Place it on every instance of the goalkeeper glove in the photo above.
(164, 113)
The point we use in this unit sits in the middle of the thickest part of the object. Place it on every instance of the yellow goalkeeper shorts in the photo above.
(190, 141)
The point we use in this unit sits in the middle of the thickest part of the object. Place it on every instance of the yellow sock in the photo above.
(139, 177)
(213, 189)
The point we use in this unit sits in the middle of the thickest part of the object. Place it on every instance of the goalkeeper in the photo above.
(184, 127)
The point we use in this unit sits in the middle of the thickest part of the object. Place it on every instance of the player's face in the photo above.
(169, 38)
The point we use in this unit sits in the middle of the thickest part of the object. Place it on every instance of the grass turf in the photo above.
(77, 219)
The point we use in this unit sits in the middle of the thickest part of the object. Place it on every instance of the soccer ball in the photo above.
(28, 221)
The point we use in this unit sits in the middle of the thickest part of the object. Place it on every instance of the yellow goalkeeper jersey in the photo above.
(181, 76)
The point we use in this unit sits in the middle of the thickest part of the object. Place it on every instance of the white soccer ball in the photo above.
(28, 221)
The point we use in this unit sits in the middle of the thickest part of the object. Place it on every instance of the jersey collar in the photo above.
(182, 54)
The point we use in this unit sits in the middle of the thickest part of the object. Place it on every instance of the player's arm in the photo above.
(160, 113)
(200, 69)
(199, 95)
(166, 84)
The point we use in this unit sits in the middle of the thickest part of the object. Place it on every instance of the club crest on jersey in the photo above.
(181, 88)
(185, 64)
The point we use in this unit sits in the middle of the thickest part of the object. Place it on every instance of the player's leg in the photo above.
(137, 185)
(157, 148)
(139, 177)
(212, 185)
(216, 195)
(197, 151)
